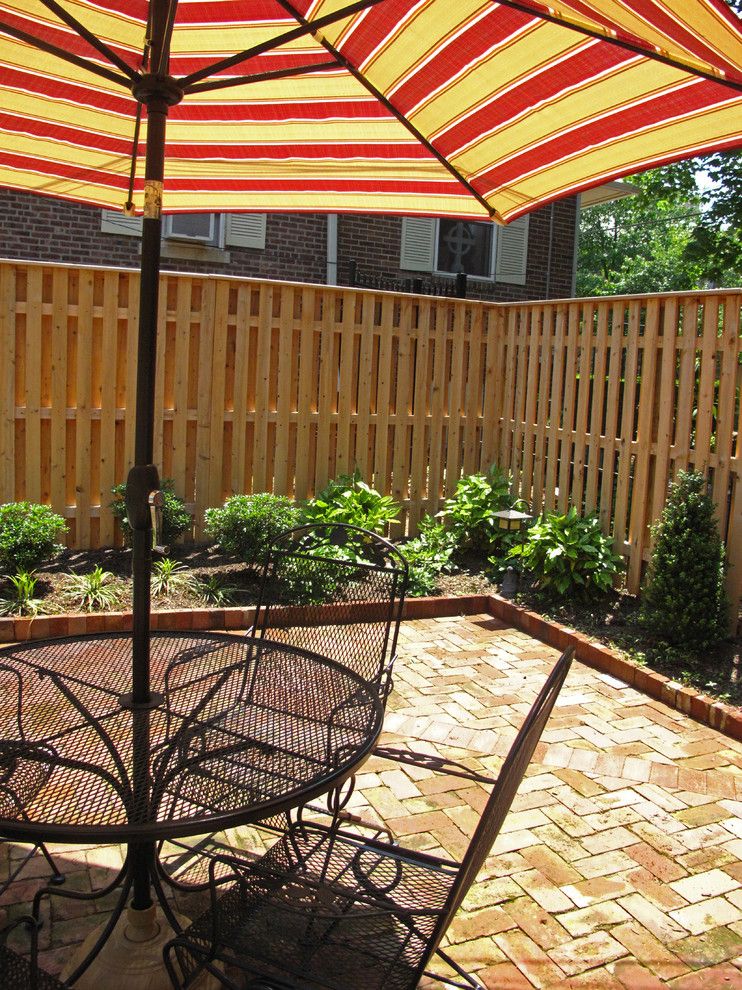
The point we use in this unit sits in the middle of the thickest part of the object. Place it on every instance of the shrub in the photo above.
(21, 599)
(94, 592)
(176, 519)
(169, 576)
(568, 553)
(216, 590)
(350, 500)
(28, 535)
(470, 512)
(246, 525)
(428, 555)
(683, 599)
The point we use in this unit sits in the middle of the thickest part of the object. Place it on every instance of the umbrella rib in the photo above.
(299, 70)
(307, 27)
(50, 49)
(611, 39)
(408, 125)
(96, 43)
(168, 35)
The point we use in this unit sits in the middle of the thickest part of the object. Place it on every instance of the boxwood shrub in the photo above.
(29, 535)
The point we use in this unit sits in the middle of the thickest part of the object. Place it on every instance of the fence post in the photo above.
(461, 285)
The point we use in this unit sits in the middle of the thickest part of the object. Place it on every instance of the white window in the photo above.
(482, 250)
(207, 229)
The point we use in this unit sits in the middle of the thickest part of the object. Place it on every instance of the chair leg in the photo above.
(470, 981)
(56, 877)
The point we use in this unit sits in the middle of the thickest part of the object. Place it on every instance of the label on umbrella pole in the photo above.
(152, 199)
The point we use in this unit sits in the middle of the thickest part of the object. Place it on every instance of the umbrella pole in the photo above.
(158, 93)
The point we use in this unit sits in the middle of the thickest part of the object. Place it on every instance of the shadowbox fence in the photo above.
(266, 386)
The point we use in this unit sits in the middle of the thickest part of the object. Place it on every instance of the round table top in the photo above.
(246, 728)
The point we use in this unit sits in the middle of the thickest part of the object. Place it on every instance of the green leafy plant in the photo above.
(176, 519)
(21, 600)
(683, 599)
(28, 535)
(246, 525)
(311, 580)
(216, 590)
(568, 553)
(428, 555)
(93, 592)
(169, 576)
(350, 500)
(470, 512)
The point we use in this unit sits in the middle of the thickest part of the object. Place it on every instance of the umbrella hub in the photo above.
(153, 87)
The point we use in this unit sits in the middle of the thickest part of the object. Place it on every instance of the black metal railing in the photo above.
(420, 285)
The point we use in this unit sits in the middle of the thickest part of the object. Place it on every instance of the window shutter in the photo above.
(246, 230)
(116, 223)
(418, 244)
(512, 252)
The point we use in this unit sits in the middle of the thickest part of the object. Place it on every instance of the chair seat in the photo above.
(331, 911)
(16, 973)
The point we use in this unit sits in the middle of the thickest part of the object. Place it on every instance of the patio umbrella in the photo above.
(471, 109)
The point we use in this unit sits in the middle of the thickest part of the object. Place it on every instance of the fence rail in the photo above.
(279, 387)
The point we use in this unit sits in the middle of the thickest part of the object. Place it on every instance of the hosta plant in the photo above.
(428, 555)
(568, 554)
(470, 512)
(348, 499)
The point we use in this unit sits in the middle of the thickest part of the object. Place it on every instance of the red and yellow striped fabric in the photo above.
(466, 108)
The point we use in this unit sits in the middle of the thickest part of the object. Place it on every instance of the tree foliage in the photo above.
(681, 231)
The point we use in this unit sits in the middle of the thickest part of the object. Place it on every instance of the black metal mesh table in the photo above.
(244, 728)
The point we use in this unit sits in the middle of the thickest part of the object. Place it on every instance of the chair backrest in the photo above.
(337, 590)
(505, 788)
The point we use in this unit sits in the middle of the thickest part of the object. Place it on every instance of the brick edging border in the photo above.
(716, 714)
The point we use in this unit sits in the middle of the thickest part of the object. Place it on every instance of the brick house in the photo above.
(532, 258)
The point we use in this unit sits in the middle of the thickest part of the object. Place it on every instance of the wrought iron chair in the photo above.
(25, 768)
(328, 907)
(337, 590)
(334, 589)
(18, 972)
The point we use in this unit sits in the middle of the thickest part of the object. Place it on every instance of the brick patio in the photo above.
(620, 865)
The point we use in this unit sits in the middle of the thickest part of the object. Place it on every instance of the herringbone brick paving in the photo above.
(620, 866)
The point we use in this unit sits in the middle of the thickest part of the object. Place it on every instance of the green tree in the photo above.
(681, 231)
(683, 600)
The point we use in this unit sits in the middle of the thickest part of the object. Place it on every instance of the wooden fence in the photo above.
(279, 387)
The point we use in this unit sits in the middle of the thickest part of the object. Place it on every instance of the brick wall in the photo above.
(40, 228)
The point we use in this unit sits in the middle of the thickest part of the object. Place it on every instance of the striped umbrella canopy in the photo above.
(465, 108)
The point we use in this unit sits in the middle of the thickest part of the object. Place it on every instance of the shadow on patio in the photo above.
(620, 865)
